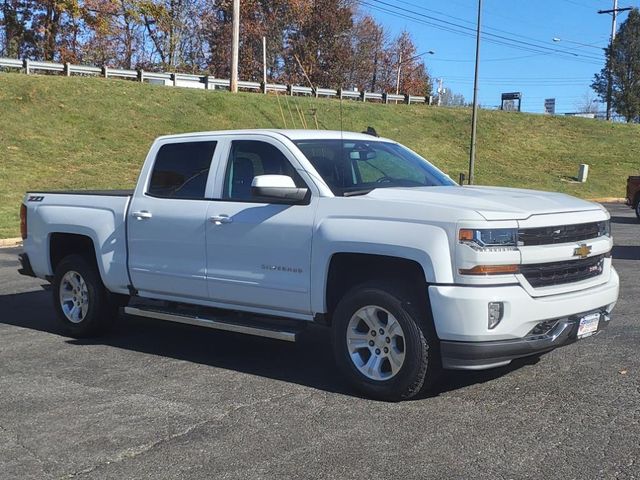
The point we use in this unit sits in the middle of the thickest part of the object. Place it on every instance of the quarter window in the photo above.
(181, 170)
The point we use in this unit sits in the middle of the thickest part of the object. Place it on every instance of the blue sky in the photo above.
(562, 70)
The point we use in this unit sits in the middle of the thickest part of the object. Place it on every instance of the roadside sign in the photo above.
(550, 106)
(512, 96)
(511, 101)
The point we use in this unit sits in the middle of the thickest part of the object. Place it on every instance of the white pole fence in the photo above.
(206, 82)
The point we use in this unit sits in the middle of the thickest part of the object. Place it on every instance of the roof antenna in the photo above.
(371, 131)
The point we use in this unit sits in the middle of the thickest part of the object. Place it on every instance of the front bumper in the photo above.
(482, 355)
(460, 318)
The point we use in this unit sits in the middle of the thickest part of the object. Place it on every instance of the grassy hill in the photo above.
(58, 132)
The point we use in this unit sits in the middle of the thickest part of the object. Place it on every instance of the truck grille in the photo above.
(558, 273)
(559, 234)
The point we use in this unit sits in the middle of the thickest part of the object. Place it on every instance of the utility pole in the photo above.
(235, 42)
(264, 63)
(614, 15)
(474, 114)
(398, 78)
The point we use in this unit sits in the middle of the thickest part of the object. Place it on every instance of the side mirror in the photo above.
(277, 189)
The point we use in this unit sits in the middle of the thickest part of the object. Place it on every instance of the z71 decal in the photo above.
(35, 198)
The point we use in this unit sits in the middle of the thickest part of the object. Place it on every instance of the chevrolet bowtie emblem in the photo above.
(582, 251)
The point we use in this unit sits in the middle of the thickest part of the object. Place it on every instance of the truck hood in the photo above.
(493, 203)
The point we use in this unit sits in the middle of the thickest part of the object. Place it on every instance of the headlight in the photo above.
(489, 239)
(604, 228)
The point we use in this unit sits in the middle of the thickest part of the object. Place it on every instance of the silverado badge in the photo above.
(582, 251)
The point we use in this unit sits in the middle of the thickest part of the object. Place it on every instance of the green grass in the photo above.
(58, 132)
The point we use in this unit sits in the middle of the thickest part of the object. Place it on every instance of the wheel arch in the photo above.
(63, 244)
(349, 269)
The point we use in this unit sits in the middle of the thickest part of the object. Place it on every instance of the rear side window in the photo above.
(181, 170)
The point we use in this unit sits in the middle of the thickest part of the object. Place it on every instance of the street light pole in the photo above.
(400, 62)
(474, 114)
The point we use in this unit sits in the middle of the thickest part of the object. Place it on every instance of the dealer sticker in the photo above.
(588, 325)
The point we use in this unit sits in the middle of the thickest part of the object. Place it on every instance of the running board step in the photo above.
(258, 329)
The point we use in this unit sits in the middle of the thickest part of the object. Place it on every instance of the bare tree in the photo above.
(588, 103)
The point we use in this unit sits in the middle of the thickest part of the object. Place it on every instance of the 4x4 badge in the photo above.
(582, 251)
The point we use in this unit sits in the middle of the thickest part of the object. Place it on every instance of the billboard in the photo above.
(511, 101)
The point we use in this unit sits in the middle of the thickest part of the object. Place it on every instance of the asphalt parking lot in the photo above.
(157, 400)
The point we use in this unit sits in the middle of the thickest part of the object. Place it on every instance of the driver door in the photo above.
(259, 254)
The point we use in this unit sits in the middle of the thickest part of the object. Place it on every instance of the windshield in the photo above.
(352, 167)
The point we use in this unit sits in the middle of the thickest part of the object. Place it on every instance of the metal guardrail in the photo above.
(10, 63)
(117, 72)
(207, 82)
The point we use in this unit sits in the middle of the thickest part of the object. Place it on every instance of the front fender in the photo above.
(428, 245)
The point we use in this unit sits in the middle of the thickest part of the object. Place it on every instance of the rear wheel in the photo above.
(83, 305)
(384, 341)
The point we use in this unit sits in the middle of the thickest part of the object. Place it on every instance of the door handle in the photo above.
(220, 219)
(142, 215)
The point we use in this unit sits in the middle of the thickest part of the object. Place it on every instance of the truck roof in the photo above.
(291, 134)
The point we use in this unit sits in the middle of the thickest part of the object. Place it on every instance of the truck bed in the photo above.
(99, 215)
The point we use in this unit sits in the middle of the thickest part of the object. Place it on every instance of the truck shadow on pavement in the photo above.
(307, 362)
(624, 220)
(625, 252)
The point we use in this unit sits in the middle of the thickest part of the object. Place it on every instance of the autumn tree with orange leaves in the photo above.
(325, 43)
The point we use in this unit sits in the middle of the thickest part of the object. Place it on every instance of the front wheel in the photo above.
(637, 209)
(384, 341)
(82, 303)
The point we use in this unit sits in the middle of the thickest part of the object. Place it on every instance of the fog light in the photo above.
(496, 311)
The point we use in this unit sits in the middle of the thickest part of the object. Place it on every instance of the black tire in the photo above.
(421, 367)
(637, 209)
(102, 306)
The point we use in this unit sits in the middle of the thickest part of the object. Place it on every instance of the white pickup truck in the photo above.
(262, 231)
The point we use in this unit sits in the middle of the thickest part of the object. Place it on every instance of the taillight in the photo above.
(23, 221)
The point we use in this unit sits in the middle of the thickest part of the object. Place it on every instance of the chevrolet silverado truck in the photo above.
(633, 194)
(264, 231)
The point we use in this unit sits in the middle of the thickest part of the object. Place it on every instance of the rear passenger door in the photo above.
(166, 223)
(259, 254)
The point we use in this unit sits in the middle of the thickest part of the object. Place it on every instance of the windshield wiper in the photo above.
(355, 193)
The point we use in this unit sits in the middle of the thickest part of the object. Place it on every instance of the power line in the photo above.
(400, 15)
(577, 4)
(420, 7)
(505, 59)
(466, 31)
(492, 36)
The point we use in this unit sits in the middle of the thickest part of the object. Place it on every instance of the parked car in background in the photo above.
(633, 193)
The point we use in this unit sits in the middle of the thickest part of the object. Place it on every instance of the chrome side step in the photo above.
(269, 332)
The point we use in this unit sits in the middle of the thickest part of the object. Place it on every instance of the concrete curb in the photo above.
(608, 200)
(10, 242)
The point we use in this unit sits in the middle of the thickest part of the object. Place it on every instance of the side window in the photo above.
(181, 170)
(250, 158)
